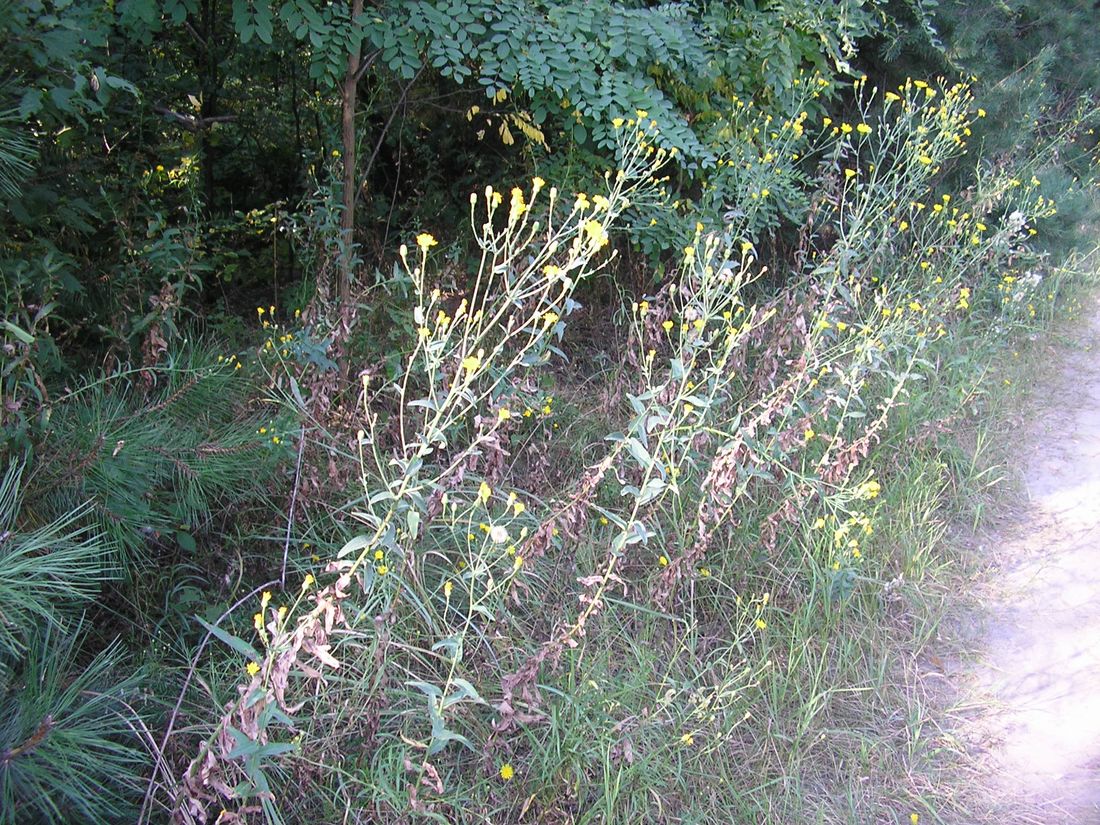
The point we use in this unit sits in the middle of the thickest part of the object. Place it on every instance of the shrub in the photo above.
(70, 739)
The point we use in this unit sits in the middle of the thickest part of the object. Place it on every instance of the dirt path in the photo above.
(1040, 664)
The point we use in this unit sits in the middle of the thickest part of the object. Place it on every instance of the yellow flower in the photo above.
(252, 668)
(470, 363)
(448, 586)
(484, 491)
(258, 622)
(869, 489)
(761, 624)
(667, 326)
(518, 507)
(379, 555)
(518, 207)
(663, 561)
(863, 129)
(849, 173)
(924, 159)
(809, 433)
(507, 771)
(308, 581)
(597, 235)
(425, 241)
(687, 739)
(914, 818)
(503, 414)
(383, 570)
(617, 122)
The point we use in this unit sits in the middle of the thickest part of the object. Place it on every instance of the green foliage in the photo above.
(50, 62)
(1016, 53)
(575, 68)
(681, 584)
(525, 621)
(45, 573)
(16, 153)
(67, 732)
(67, 735)
(993, 40)
(156, 464)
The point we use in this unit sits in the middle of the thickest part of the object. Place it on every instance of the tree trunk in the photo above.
(208, 105)
(347, 218)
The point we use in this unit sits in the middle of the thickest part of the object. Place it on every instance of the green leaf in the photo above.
(354, 546)
(463, 691)
(640, 453)
(18, 332)
(235, 642)
(427, 688)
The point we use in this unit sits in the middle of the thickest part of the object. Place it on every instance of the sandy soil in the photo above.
(1038, 673)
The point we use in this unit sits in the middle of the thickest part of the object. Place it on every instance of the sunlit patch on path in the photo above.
(1040, 663)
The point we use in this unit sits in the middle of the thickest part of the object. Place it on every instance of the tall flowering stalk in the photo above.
(421, 434)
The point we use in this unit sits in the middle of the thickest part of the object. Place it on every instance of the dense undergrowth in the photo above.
(693, 590)
(625, 501)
